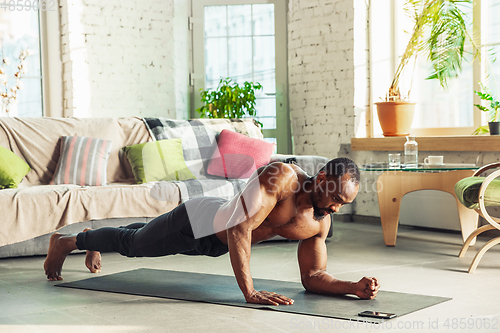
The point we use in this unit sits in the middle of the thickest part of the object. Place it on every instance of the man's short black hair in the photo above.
(340, 166)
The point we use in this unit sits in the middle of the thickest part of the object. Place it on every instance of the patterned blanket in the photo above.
(199, 141)
(192, 188)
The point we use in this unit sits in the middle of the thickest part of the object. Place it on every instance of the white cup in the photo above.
(433, 160)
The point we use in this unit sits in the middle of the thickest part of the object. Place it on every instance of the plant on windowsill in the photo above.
(229, 100)
(440, 30)
(493, 109)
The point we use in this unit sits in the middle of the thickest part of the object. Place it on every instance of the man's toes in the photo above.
(55, 278)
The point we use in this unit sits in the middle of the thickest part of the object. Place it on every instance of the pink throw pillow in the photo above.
(238, 155)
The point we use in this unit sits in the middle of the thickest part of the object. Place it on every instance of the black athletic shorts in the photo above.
(170, 233)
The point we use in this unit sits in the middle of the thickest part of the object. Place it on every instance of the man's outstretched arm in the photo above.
(239, 243)
(258, 199)
(312, 262)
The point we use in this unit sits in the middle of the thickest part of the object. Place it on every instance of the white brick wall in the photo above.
(130, 57)
(321, 74)
(120, 58)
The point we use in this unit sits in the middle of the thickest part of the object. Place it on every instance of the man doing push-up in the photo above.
(279, 199)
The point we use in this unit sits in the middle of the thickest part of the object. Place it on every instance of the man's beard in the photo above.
(319, 213)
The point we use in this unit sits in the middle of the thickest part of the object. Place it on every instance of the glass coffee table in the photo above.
(394, 183)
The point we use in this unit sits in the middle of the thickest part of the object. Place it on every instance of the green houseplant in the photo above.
(440, 30)
(229, 100)
(493, 109)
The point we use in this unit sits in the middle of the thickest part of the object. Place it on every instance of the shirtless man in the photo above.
(279, 199)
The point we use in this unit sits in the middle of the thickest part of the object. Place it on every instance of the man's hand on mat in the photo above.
(367, 288)
(265, 297)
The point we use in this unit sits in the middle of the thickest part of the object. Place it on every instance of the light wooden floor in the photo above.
(423, 262)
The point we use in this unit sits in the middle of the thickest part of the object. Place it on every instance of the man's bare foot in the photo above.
(59, 248)
(93, 259)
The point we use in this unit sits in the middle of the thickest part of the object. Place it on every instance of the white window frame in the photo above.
(51, 63)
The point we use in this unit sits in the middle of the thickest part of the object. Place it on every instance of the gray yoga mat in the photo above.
(220, 289)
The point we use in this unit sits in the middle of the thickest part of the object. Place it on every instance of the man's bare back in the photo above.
(280, 199)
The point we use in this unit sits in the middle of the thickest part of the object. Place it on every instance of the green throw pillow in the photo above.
(158, 160)
(12, 169)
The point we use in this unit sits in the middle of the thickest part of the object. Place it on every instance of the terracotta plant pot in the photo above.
(395, 117)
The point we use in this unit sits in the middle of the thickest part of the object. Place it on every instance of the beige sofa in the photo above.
(31, 213)
(35, 210)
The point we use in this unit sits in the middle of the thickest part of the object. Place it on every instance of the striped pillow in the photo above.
(83, 161)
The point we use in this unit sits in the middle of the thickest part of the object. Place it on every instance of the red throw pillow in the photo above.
(238, 155)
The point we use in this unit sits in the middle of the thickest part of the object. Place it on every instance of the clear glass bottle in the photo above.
(411, 153)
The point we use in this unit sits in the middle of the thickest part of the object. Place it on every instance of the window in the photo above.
(239, 43)
(246, 41)
(438, 111)
(19, 30)
(490, 38)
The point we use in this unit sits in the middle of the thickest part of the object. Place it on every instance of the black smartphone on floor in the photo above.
(377, 314)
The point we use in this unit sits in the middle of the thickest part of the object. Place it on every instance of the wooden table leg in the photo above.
(389, 201)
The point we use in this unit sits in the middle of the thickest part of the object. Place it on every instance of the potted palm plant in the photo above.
(440, 30)
(493, 109)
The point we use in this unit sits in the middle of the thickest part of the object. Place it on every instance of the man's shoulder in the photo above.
(282, 170)
(281, 177)
(324, 228)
